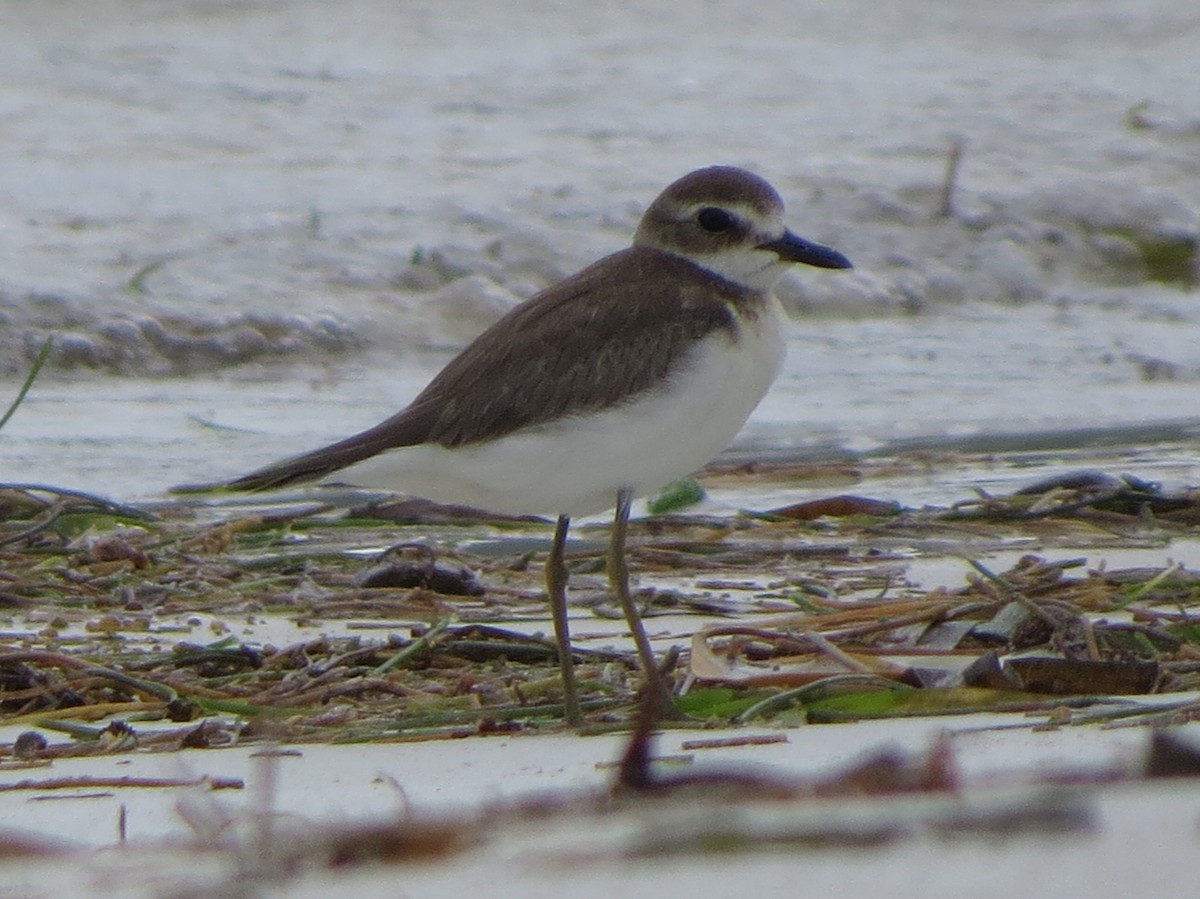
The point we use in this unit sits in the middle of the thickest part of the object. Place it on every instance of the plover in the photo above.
(628, 375)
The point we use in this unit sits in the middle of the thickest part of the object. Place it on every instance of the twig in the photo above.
(416, 646)
(46, 517)
(727, 742)
(102, 504)
(1141, 591)
(1000, 581)
(950, 178)
(835, 652)
(85, 782)
(61, 660)
(60, 719)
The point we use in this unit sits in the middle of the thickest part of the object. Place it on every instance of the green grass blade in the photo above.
(42, 356)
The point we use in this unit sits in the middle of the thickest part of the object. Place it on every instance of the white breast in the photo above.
(575, 466)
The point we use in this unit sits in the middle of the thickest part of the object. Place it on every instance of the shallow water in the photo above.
(850, 387)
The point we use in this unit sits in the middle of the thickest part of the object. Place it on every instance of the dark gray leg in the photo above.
(556, 586)
(618, 579)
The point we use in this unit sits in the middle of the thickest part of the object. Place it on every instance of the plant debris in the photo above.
(142, 619)
(200, 627)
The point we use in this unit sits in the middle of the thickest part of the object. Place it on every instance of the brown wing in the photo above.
(601, 337)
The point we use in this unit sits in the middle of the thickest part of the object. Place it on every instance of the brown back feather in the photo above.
(597, 339)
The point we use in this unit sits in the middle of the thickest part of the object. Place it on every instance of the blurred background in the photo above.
(251, 227)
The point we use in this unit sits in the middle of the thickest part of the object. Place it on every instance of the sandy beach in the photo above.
(252, 227)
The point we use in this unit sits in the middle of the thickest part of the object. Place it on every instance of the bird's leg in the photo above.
(618, 579)
(556, 586)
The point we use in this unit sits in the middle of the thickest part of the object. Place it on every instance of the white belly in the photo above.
(575, 466)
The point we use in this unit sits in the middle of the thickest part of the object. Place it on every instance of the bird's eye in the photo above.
(714, 220)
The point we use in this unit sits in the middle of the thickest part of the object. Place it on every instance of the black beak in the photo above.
(797, 249)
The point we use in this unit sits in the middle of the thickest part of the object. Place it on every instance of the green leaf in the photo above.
(874, 702)
(718, 702)
(675, 496)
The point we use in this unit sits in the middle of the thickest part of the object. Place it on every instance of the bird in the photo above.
(630, 374)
